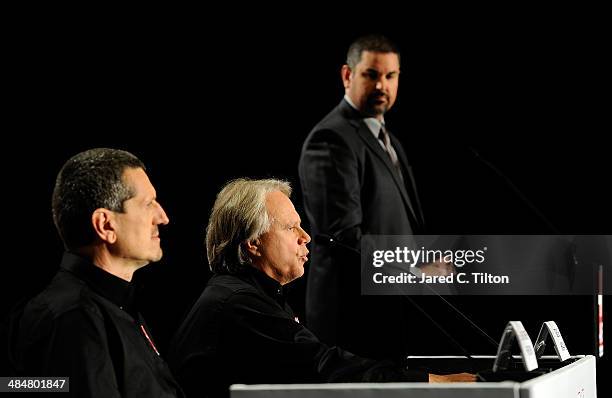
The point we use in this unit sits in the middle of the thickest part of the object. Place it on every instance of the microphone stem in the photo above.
(451, 338)
(515, 189)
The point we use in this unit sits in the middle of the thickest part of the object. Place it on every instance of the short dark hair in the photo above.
(373, 43)
(88, 181)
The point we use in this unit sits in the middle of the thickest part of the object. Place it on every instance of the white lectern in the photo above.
(575, 380)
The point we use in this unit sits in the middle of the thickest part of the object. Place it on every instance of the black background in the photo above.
(202, 105)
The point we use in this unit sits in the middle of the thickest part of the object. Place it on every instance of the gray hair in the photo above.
(372, 43)
(239, 215)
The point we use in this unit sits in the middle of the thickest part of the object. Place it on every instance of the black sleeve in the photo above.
(294, 354)
(330, 177)
(73, 345)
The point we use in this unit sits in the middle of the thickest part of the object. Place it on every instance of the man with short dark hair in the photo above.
(356, 180)
(85, 324)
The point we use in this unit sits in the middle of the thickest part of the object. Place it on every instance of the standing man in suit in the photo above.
(356, 180)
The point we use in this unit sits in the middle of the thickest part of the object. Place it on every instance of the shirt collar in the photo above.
(115, 289)
(270, 286)
(373, 124)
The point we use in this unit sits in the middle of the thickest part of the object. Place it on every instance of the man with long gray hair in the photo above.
(241, 329)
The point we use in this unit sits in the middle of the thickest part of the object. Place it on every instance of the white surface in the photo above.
(576, 380)
(525, 344)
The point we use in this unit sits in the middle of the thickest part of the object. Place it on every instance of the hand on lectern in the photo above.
(452, 378)
(438, 268)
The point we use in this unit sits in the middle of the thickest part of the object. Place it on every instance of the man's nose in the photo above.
(381, 83)
(304, 237)
(163, 217)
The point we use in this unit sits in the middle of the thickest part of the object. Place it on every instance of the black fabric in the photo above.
(241, 330)
(85, 325)
(381, 135)
(350, 189)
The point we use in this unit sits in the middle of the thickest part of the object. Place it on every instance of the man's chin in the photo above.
(376, 110)
(297, 274)
(158, 256)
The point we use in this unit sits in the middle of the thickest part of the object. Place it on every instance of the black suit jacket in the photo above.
(351, 188)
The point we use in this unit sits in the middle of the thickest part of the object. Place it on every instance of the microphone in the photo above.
(572, 245)
(526, 201)
(331, 240)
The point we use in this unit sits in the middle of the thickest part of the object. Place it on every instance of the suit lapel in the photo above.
(366, 135)
(408, 176)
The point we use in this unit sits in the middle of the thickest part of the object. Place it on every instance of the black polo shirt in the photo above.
(85, 325)
(241, 330)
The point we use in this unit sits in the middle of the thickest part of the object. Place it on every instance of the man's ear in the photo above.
(253, 247)
(345, 73)
(103, 222)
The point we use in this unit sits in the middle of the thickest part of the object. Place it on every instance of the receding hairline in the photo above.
(268, 198)
(131, 186)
